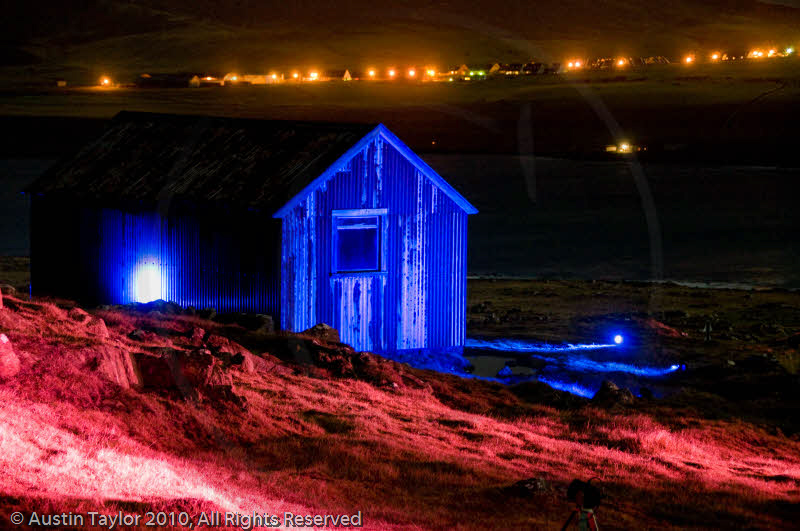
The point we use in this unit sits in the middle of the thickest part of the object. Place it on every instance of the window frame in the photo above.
(380, 215)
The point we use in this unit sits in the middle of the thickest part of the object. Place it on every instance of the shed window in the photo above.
(357, 243)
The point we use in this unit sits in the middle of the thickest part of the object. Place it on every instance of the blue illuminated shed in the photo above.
(308, 222)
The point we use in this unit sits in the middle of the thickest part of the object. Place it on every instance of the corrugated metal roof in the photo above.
(150, 157)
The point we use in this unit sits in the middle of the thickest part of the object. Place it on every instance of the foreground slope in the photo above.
(140, 409)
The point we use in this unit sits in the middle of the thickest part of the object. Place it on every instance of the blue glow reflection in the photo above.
(572, 388)
(583, 364)
(519, 345)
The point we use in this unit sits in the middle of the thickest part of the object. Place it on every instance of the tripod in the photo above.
(586, 519)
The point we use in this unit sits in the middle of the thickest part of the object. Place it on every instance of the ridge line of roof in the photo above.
(380, 130)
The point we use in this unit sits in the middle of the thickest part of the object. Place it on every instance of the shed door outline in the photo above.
(359, 275)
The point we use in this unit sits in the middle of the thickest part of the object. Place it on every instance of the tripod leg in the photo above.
(566, 524)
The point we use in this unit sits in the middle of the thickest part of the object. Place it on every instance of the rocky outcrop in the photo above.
(9, 361)
(7, 289)
(254, 322)
(323, 332)
(118, 366)
(97, 327)
(610, 394)
(78, 315)
(526, 488)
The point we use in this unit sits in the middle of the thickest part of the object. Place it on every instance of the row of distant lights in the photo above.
(715, 56)
(575, 64)
(371, 73)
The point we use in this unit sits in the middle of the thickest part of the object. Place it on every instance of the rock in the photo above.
(9, 361)
(255, 322)
(190, 373)
(528, 487)
(138, 335)
(610, 394)
(323, 332)
(224, 348)
(266, 324)
(196, 336)
(118, 366)
(207, 313)
(78, 315)
(97, 327)
(7, 289)
(161, 306)
(190, 310)
(505, 372)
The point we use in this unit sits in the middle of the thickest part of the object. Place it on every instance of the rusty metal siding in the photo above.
(419, 300)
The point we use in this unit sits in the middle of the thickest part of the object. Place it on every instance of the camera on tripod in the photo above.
(587, 498)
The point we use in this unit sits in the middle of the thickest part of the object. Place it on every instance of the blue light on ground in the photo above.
(572, 388)
(568, 360)
(583, 364)
(520, 345)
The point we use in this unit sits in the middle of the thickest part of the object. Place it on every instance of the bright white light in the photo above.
(618, 339)
(148, 282)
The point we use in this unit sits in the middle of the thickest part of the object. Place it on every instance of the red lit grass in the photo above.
(305, 443)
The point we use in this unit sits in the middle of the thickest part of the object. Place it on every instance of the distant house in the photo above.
(308, 222)
(513, 69)
(335, 75)
(234, 78)
(460, 71)
(533, 69)
(210, 81)
(494, 69)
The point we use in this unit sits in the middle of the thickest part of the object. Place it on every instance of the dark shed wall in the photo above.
(419, 301)
(201, 257)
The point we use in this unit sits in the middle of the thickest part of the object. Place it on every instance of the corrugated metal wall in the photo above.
(219, 259)
(420, 300)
